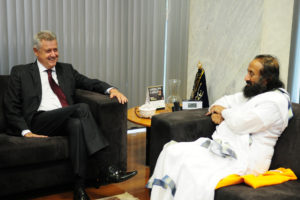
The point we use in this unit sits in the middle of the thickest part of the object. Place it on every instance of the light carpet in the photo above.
(124, 196)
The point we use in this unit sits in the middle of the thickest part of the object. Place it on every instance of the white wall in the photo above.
(225, 36)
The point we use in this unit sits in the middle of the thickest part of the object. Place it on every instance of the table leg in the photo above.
(148, 137)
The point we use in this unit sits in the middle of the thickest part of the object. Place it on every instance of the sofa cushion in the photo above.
(285, 191)
(18, 151)
(3, 84)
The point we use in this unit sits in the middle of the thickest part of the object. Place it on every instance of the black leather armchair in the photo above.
(27, 164)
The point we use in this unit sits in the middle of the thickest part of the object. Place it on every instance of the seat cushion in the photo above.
(285, 191)
(17, 151)
(4, 85)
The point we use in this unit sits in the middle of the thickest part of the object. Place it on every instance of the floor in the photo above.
(135, 186)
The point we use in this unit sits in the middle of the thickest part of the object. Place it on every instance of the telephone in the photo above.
(189, 105)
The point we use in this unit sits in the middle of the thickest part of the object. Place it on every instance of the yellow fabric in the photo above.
(232, 179)
(271, 177)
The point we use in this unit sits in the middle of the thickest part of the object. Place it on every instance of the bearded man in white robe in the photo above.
(249, 124)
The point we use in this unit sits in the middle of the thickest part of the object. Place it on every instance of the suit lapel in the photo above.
(35, 75)
(60, 77)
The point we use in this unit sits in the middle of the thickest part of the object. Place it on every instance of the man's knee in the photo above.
(74, 124)
(83, 110)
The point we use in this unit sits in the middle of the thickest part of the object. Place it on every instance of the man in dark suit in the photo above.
(40, 103)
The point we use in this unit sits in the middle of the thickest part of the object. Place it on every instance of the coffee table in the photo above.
(133, 116)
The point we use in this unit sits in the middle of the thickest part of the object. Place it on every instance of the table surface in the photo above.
(132, 115)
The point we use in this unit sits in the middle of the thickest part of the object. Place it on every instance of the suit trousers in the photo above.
(77, 122)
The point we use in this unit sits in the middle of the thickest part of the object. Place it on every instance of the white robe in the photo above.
(251, 128)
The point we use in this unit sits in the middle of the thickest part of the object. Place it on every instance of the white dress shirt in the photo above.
(49, 99)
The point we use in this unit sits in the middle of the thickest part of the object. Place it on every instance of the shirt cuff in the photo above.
(24, 132)
(108, 90)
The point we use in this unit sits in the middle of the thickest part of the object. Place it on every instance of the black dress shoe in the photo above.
(80, 194)
(115, 175)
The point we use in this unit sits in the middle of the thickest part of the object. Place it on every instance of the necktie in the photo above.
(57, 90)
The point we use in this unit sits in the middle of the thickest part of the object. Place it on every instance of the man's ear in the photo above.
(35, 51)
(265, 81)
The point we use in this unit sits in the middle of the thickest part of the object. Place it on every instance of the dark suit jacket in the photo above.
(24, 92)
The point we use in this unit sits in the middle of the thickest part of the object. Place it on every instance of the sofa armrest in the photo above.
(187, 125)
(111, 117)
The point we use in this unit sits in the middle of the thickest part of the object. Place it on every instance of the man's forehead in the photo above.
(255, 65)
(49, 43)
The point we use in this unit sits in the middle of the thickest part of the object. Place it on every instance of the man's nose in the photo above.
(53, 53)
(247, 77)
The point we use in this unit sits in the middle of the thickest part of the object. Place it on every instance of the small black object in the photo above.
(176, 106)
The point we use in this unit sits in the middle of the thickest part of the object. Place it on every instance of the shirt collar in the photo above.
(42, 68)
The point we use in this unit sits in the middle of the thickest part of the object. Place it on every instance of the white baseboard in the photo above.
(136, 130)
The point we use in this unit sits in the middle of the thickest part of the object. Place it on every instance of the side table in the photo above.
(133, 116)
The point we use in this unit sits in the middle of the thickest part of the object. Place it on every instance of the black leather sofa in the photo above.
(192, 124)
(30, 164)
